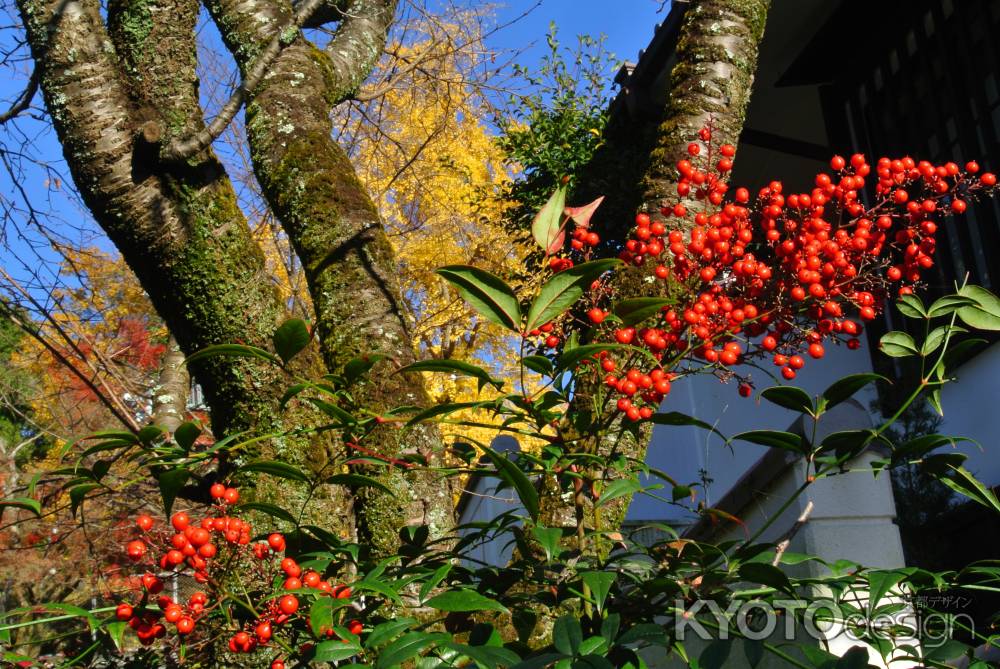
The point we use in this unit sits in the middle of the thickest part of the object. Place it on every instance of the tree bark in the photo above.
(171, 393)
(716, 53)
(110, 91)
(336, 231)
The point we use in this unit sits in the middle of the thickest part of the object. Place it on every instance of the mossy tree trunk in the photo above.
(116, 92)
(336, 231)
(712, 81)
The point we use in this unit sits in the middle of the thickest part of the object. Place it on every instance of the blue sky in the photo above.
(627, 26)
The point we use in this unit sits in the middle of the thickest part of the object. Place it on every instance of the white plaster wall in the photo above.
(972, 409)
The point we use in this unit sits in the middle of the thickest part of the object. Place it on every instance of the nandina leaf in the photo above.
(357, 481)
(239, 350)
(78, 493)
(567, 635)
(486, 292)
(600, 583)
(963, 482)
(290, 338)
(985, 315)
(561, 291)
(358, 367)
(765, 574)
(335, 650)
(774, 439)
(844, 388)
(32, 505)
(458, 367)
(171, 482)
(897, 344)
(715, 654)
(547, 227)
(581, 215)
(639, 309)
(408, 646)
(464, 600)
(789, 397)
(186, 434)
(678, 418)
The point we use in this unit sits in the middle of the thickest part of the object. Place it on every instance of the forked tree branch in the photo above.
(182, 149)
(23, 101)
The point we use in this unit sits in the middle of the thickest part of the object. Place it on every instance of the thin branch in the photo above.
(181, 149)
(792, 531)
(24, 100)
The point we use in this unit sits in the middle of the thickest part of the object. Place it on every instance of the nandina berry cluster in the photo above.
(217, 549)
(779, 276)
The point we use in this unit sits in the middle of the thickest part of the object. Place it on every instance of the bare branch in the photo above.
(23, 101)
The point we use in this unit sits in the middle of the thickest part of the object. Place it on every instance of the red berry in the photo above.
(231, 495)
(124, 612)
(596, 315)
(745, 390)
(185, 625)
(816, 350)
(144, 522)
(290, 567)
(180, 521)
(263, 630)
(288, 604)
(217, 490)
(135, 550)
(276, 541)
(292, 583)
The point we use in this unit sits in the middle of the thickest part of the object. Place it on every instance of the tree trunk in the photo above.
(177, 225)
(716, 61)
(171, 392)
(335, 229)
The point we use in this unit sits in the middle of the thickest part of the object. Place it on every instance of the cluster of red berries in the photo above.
(780, 276)
(196, 546)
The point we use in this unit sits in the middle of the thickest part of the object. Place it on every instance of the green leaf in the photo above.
(647, 632)
(171, 482)
(638, 309)
(487, 657)
(342, 417)
(592, 662)
(609, 627)
(547, 226)
(358, 367)
(290, 338)
(321, 615)
(239, 350)
(457, 367)
(539, 661)
(843, 389)
(789, 397)
(847, 443)
(149, 434)
(270, 510)
(715, 654)
(753, 649)
(513, 476)
(385, 632)
(487, 293)
(765, 574)
(464, 600)
(562, 290)
(678, 418)
(568, 359)
(357, 481)
(879, 583)
(937, 336)
(77, 495)
(911, 306)
(985, 315)
(963, 482)
(567, 635)
(856, 657)
(616, 489)
(920, 446)
(406, 647)
(32, 505)
(539, 364)
(445, 409)
(548, 538)
(774, 439)
(439, 575)
(334, 650)
(600, 583)
(948, 304)
(186, 434)
(274, 468)
(897, 344)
